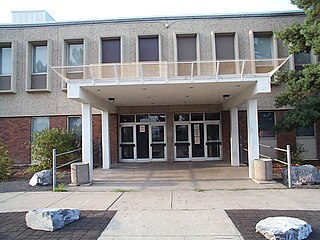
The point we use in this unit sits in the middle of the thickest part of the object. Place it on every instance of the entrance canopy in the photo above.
(229, 82)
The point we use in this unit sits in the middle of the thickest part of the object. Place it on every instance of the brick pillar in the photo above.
(284, 138)
(114, 141)
(96, 137)
(225, 122)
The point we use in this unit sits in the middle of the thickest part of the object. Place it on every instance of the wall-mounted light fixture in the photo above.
(226, 96)
(112, 99)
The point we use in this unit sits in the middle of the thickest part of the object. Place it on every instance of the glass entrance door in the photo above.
(142, 138)
(197, 137)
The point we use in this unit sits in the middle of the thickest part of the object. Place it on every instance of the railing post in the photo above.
(289, 166)
(54, 168)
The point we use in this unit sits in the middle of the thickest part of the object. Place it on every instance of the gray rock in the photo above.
(42, 178)
(50, 219)
(283, 228)
(302, 175)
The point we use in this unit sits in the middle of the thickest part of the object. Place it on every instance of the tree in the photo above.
(302, 87)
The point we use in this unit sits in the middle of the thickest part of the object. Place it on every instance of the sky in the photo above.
(73, 10)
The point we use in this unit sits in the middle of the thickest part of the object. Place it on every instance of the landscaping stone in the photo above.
(283, 228)
(41, 178)
(302, 175)
(50, 219)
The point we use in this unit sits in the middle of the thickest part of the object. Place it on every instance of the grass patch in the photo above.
(200, 190)
(60, 188)
(123, 190)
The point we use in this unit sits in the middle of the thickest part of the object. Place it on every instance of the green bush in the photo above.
(48, 139)
(5, 163)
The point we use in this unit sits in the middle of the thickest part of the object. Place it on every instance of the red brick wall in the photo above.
(15, 134)
(226, 135)
(96, 138)
(243, 134)
(58, 122)
(114, 146)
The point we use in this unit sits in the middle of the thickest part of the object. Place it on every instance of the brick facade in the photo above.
(16, 135)
(226, 135)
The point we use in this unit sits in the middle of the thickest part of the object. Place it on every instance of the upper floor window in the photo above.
(266, 121)
(148, 48)
(39, 59)
(186, 53)
(5, 67)
(5, 60)
(75, 54)
(111, 50)
(263, 46)
(224, 46)
(300, 59)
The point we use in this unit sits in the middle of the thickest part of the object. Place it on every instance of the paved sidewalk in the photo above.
(179, 214)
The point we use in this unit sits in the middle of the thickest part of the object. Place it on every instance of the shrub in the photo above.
(5, 163)
(48, 139)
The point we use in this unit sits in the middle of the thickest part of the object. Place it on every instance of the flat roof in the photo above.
(160, 18)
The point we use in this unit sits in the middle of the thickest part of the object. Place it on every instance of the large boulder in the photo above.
(302, 175)
(283, 228)
(42, 178)
(50, 219)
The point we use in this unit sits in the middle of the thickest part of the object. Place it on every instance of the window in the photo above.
(5, 67)
(40, 123)
(111, 50)
(186, 52)
(262, 46)
(300, 59)
(75, 54)
(266, 121)
(75, 125)
(148, 48)
(5, 61)
(39, 59)
(305, 131)
(224, 46)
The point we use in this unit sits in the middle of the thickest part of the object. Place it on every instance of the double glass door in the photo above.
(142, 142)
(199, 139)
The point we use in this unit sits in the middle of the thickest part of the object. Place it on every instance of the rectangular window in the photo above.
(225, 46)
(300, 59)
(5, 61)
(40, 123)
(111, 50)
(305, 131)
(148, 48)
(39, 59)
(186, 53)
(75, 125)
(5, 67)
(266, 121)
(262, 46)
(75, 54)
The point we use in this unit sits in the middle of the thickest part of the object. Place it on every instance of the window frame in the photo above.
(13, 63)
(274, 135)
(40, 117)
(138, 47)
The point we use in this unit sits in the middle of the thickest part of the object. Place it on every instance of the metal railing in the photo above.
(55, 155)
(288, 163)
(169, 70)
(55, 167)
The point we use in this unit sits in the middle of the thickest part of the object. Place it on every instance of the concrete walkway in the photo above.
(159, 205)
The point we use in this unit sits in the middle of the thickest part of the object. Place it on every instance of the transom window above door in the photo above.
(143, 118)
(182, 117)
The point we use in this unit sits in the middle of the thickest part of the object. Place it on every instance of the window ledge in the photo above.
(38, 90)
(7, 91)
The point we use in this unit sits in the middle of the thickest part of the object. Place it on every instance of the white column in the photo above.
(253, 138)
(106, 160)
(234, 140)
(87, 151)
